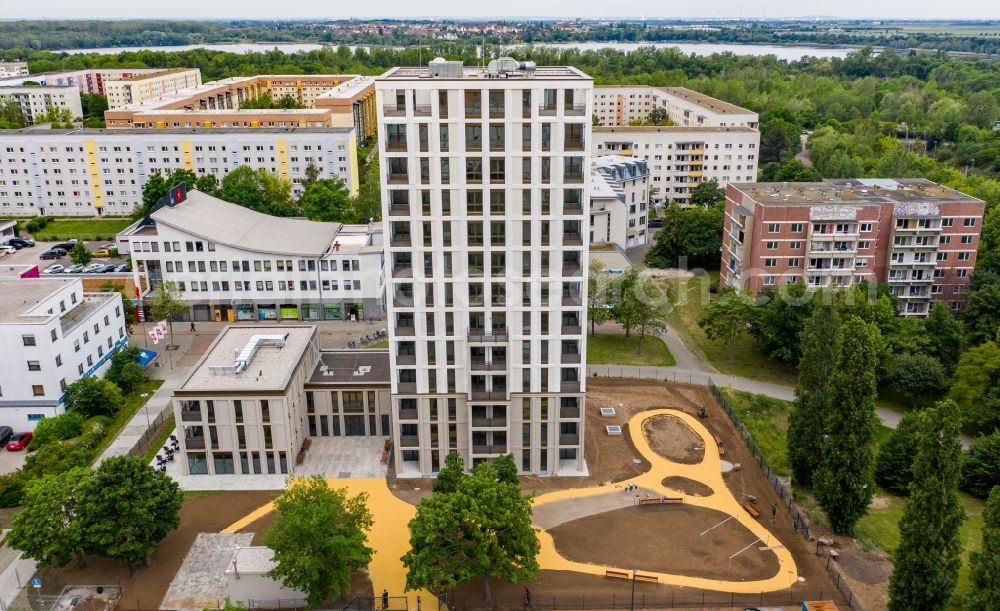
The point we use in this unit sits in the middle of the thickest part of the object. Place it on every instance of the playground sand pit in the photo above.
(627, 537)
(674, 440)
(687, 486)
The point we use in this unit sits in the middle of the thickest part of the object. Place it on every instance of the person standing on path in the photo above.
(527, 598)
(192, 326)
(774, 512)
(385, 599)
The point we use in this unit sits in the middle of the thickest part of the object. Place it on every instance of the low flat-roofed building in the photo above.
(53, 333)
(234, 264)
(36, 100)
(260, 391)
(13, 69)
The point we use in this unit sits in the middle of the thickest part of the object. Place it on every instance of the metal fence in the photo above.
(150, 433)
(801, 523)
(679, 599)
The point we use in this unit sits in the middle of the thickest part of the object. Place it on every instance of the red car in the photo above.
(19, 441)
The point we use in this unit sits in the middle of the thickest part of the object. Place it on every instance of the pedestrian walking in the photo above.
(385, 599)
(192, 326)
(527, 598)
(774, 512)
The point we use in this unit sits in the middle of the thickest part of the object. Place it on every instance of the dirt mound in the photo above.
(672, 439)
(687, 486)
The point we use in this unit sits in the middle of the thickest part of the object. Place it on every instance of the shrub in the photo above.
(58, 457)
(62, 427)
(93, 397)
(12, 488)
(981, 469)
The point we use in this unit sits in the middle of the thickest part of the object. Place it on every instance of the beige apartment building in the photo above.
(619, 105)
(36, 100)
(142, 88)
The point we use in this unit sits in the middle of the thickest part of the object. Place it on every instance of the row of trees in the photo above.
(635, 302)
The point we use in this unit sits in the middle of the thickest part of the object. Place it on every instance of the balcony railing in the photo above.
(571, 270)
(570, 386)
(400, 178)
(573, 177)
(573, 239)
(483, 365)
(572, 208)
(406, 359)
(409, 387)
(399, 210)
(570, 359)
(569, 439)
(405, 331)
(396, 145)
(489, 423)
(409, 441)
(496, 448)
(407, 414)
(571, 329)
(480, 394)
(392, 110)
(402, 271)
(569, 413)
(488, 335)
(571, 299)
(401, 239)
(576, 110)
(194, 443)
(192, 415)
(574, 144)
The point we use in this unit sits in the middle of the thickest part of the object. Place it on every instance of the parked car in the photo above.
(73, 269)
(102, 253)
(21, 242)
(93, 268)
(124, 267)
(5, 433)
(655, 223)
(53, 253)
(107, 269)
(67, 245)
(9, 249)
(19, 441)
(54, 269)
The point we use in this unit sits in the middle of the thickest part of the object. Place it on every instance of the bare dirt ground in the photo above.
(666, 539)
(687, 486)
(672, 439)
(145, 589)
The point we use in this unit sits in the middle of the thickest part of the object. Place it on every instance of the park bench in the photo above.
(751, 509)
(616, 574)
(662, 500)
(647, 578)
(722, 446)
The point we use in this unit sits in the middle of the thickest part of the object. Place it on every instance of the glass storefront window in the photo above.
(197, 463)
(331, 311)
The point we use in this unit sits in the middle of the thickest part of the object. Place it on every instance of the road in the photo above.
(692, 369)
(803, 155)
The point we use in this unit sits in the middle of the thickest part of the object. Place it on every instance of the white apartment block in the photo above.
(247, 407)
(485, 178)
(52, 333)
(13, 69)
(93, 172)
(619, 190)
(619, 105)
(36, 100)
(679, 158)
(87, 80)
(234, 264)
(143, 88)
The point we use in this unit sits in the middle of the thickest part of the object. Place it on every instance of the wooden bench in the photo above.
(662, 500)
(647, 578)
(751, 509)
(722, 446)
(616, 574)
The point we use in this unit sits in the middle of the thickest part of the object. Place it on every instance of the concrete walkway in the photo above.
(143, 424)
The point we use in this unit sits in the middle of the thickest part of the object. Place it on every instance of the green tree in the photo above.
(258, 190)
(328, 199)
(844, 481)
(976, 387)
(708, 194)
(61, 427)
(94, 105)
(981, 315)
(506, 468)
(319, 538)
(450, 474)
(93, 397)
(780, 321)
(806, 426)
(779, 141)
(894, 465)
(59, 118)
(792, 170)
(598, 287)
(166, 304)
(11, 116)
(658, 116)
(917, 376)
(481, 530)
(124, 372)
(312, 174)
(110, 286)
(80, 255)
(981, 469)
(693, 233)
(48, 528)
(926, 563)
(946, 336)
(653, 307)
(984, 564)
(127, 509)
(729, 317)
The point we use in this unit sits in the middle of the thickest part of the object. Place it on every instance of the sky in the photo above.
(589, 9)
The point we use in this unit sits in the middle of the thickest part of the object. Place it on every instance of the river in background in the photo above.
(790, 53)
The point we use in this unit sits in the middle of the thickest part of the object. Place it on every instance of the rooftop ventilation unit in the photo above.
(439, 67)
(242, 358)
(508, 66)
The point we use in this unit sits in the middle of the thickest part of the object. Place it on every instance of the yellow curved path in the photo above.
(389, 536)
(708, 472)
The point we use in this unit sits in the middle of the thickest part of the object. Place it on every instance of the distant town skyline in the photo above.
(449, 9)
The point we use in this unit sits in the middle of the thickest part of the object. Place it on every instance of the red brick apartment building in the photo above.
(917, 236)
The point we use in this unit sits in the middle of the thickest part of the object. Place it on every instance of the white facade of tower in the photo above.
(485, 179)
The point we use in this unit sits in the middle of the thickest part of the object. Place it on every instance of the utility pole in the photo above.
(631, 605)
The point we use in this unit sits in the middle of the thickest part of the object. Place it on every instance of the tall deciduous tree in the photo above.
(976, 387)
(654, 307)
(708, 193)
(981, 468)
(780, 321)
(598, 288)
(319, 538)
(693, 233)
(984, 565)
(166, 303)
(80, 255)
(844, 481)
(806, 424)
(127, 509)
(894, 466)
(481, 530)
(981, 315)
(258, 190)
(729, 317)
(328, 199)
(945, 334)
(917, 376)
(48, 529)
(926, 563)
(93, 397)
(450, 474)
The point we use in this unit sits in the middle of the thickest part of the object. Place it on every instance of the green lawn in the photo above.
(382, 343)
(766, 420)
(158, 443)
(689, 304)
(133, 401)
(621, 350)
(83, 229)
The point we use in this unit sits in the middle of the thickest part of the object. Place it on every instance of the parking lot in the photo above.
(30, 256)
(11, 461)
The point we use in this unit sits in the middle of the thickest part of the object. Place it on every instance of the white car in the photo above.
(53, 269)
(93, 267)
(9, 250)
